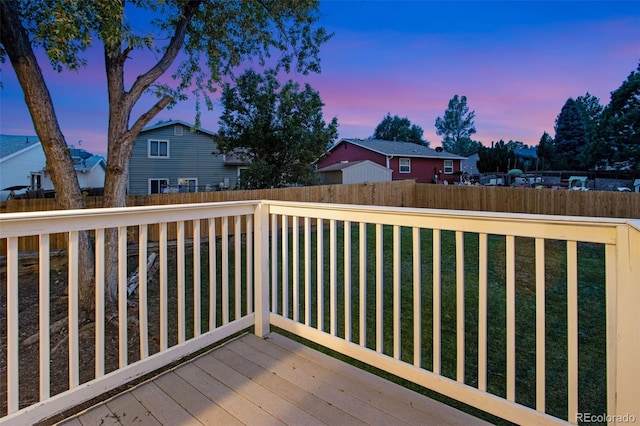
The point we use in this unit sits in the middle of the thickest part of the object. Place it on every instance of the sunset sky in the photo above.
(516, 61)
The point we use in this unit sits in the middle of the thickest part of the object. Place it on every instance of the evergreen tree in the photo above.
(620, 124)
(498, 158)
(571, 136)
(545, 151)
(457, 126)
(593, 151)
(399, 129)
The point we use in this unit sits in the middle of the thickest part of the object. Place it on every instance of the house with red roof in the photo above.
(406, 160)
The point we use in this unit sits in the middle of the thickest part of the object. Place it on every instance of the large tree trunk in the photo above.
(59, 164)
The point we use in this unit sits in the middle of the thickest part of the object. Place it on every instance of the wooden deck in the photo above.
(270, 381)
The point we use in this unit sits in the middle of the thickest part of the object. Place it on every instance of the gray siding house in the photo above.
(169, 157)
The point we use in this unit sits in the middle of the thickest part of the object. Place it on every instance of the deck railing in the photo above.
(530, 318)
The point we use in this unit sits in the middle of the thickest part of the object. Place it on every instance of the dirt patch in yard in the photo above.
(29, 357)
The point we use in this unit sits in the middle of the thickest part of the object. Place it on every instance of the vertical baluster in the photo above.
(363, 282)
(379, 290)
(460, 305)
(540, 326)
(249, 263)
(197, 303)
(164, 298)
(397, 307)
(296, 269)
(13, 361)
(122, 296)
(572, 327)
(213, 282)
(74, 356)
(225, 270)
(436, 300)
(100, 295)
(44, 281)
(307, 271)
(482, 312)
(237, 257)
(285, 266)
(180, 262)
(142, 291)
(511, 317)
(320, 273)
(417, 300)
(274, 263)
(347, 281)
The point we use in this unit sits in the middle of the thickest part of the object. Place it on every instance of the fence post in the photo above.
(627, 392)
(261, 268)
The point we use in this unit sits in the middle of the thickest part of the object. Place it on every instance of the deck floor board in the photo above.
(272, 381)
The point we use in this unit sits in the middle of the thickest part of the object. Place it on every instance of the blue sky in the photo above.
(516, 61)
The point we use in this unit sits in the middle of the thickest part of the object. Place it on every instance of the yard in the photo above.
(591, 294)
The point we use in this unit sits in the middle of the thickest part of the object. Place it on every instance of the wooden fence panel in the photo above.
(529, 200)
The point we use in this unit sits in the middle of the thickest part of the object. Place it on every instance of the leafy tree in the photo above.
(280, 129)
(498, 158)
(571, 136)
(214, 36)
(457, 126)
(545, 151)
(400, 129)
(621, 122)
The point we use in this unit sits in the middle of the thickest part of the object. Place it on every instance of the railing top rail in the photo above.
(33, 223)
(577, 228)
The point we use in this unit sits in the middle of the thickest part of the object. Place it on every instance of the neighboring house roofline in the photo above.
(173, 123)
(22, 150)
(100, 161)
(426, 152)
(346, 165)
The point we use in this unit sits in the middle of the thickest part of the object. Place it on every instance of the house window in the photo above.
(448, 167)
(36, 181)
(405, 165)
(158, 186)
(158, 149)
(187, 185)
(177, 130)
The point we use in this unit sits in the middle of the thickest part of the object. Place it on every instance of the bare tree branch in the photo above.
(143, 82)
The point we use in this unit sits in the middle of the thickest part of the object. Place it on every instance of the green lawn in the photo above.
(591, 299)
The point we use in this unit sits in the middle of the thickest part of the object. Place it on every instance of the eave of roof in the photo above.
(173, 123)
(340, 166)
(14, 145)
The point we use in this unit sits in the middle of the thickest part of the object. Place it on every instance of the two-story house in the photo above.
(171, 157)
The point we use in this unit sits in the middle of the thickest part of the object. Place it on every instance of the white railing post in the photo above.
(261, 268)
(627, 387)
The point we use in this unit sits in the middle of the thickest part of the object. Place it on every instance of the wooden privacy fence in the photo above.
(529, 200)
(405, 193)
